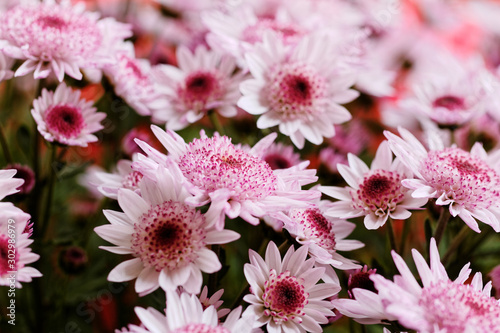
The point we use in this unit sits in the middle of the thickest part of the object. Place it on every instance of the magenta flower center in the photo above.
(201, 88)
(315, 227)
(201, 328)
(295, 91)
(215, 163)
(284, 297)
(65, 120)
(50, 21)
(169, 236)
(379, 192)
(450, 102)
(462, 178)
(360, 280)
(4, 256)
(277, 161)
(452, 307)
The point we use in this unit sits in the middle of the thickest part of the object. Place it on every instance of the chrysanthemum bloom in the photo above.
(133, 82)
(167, 238)
(469, 183)
(454, 96)
(286, 296)
(324, 235)
(214, 301)
(235, 181)
(280, 156)
(300, 90)
(108, 184)
(63, 117)
(8, 184)
(440, 304)
(185, 314)
(376, 192)
(58, 38)
(12, 218)
(204, 82)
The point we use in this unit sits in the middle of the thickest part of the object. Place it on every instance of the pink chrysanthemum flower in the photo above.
(108, 184)
(25, 173)
(204, 82)
(213, 300)
(167, 238)
(469, 183)
(8, 184)
(324, 235)
(133, 82)
(440, 304)
(300, 90)
(280, 156)
(12, 218)
(63, 117)
(376, 193)
(235, 181)
(286, 296)
(185, 314)
(58, 38)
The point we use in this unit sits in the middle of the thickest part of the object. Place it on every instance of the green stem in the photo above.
(441, 224)
(5, 147)
(50, 193)
(455, 243)
(391, 235)
(241, 294)
(404, 236)
(214, 118)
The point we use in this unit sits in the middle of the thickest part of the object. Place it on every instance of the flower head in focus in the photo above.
(285, 294)
(62, 116)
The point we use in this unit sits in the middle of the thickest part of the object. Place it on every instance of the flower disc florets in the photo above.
(169, 236)
(316, 226)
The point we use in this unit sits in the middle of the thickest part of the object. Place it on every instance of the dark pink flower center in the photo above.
(277, 161)
(284, 296)
(4, 255)
(132, 180)
(450, 102)
(169, 235)
(49, 21)
(361, 280)
(65, 120)
(315, 227)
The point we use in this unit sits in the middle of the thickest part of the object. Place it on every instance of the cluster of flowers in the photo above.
(304, 77)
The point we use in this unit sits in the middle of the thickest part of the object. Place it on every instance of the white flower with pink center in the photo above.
(63, 117)
(285, 295)
(167, 238)
(324, 235)
(234, 180)
(185, 314)
(440, 304)
(203, 82)
(133, 82)
(376, 193)
(13, 221)
(299, 89)
(469, 183)
(58, 38)
(108, 184)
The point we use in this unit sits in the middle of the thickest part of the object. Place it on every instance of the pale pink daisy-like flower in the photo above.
(324, 235)
(133, 82)
(213, 300)
(285, 294)
(62, 116)
(300, 90)
(235, 181)
(108, 184)
(167, 238)
(440, 304)
(376, 193)
(25, 173)
(8, 184)
(58, 38)
(203, 82)
(185, 314)
(14, 269)
(468, 183)
(280, 156)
